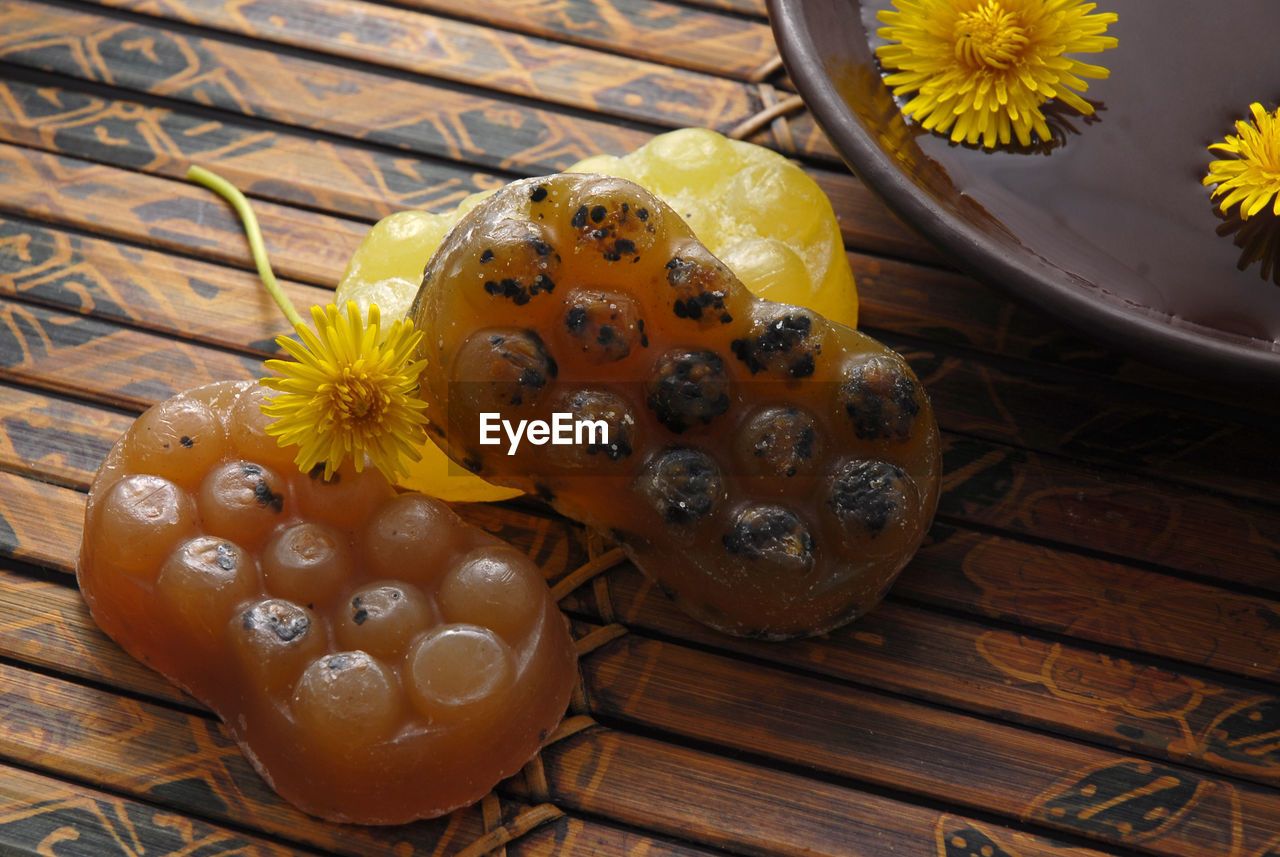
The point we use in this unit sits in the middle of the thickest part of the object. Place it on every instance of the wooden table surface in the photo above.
(1083, 658)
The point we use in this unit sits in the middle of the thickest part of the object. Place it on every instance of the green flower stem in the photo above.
(232, 194)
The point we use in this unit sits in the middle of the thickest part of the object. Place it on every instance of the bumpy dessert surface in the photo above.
(772, 469)
(376, 657)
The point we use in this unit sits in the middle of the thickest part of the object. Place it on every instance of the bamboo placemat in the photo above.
(1082, 659)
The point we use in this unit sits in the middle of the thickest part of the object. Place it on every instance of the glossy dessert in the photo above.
(756, 210)
(772, 469)
(377, 658)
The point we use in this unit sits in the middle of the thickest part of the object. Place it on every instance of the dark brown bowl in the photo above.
(1108, 227)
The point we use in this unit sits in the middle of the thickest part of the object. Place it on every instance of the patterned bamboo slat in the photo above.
(348, 180)
(1109, 698)
(177, 216)
(158, 291)
(495, 60)
(1129, 517)
(410, 114)
(571, 837)
(41, 816)
(47, 625)
(1097, 696)
(155, 753)
(1108, 603)
(923, 750)
(803, 721)
(749, 809)
(53, 439)
(674, 35)
(277, 165)
(146, 751)
(1180, 438)
(39, 523)
(742, 7)
(132, 369)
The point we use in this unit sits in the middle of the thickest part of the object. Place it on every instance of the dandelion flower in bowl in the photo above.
(981, 69)
(1252, 177)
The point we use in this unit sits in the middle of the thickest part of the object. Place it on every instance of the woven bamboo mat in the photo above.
(1082, 660)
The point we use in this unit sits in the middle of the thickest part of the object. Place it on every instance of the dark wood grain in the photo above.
(42, 816)
(863, 736)
(755, 810)
(494, 60)
(173, 215)
(276, 165)
(674, 35)
(1108, 697)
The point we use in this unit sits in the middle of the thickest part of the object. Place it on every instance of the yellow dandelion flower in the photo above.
(1252, 177)
(980, 69)
(350, 393)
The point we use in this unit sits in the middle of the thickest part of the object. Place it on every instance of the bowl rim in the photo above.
(1025, 276)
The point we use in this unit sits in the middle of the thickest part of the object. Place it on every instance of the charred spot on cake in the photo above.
(682, 485)
(519, 292)
(287, 621)
(880, 399)
(614, 228)
(783, 344)
(599, 406)
(781, 441)
(538, 194)
(225, 556)
(701, 290)
(602, 325)
(497, 369)
(687, 388)
(870, 494)
(262, 493)
(770, 533)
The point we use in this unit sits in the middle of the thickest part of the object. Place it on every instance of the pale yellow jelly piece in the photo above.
(754, 209)
(757, 211)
